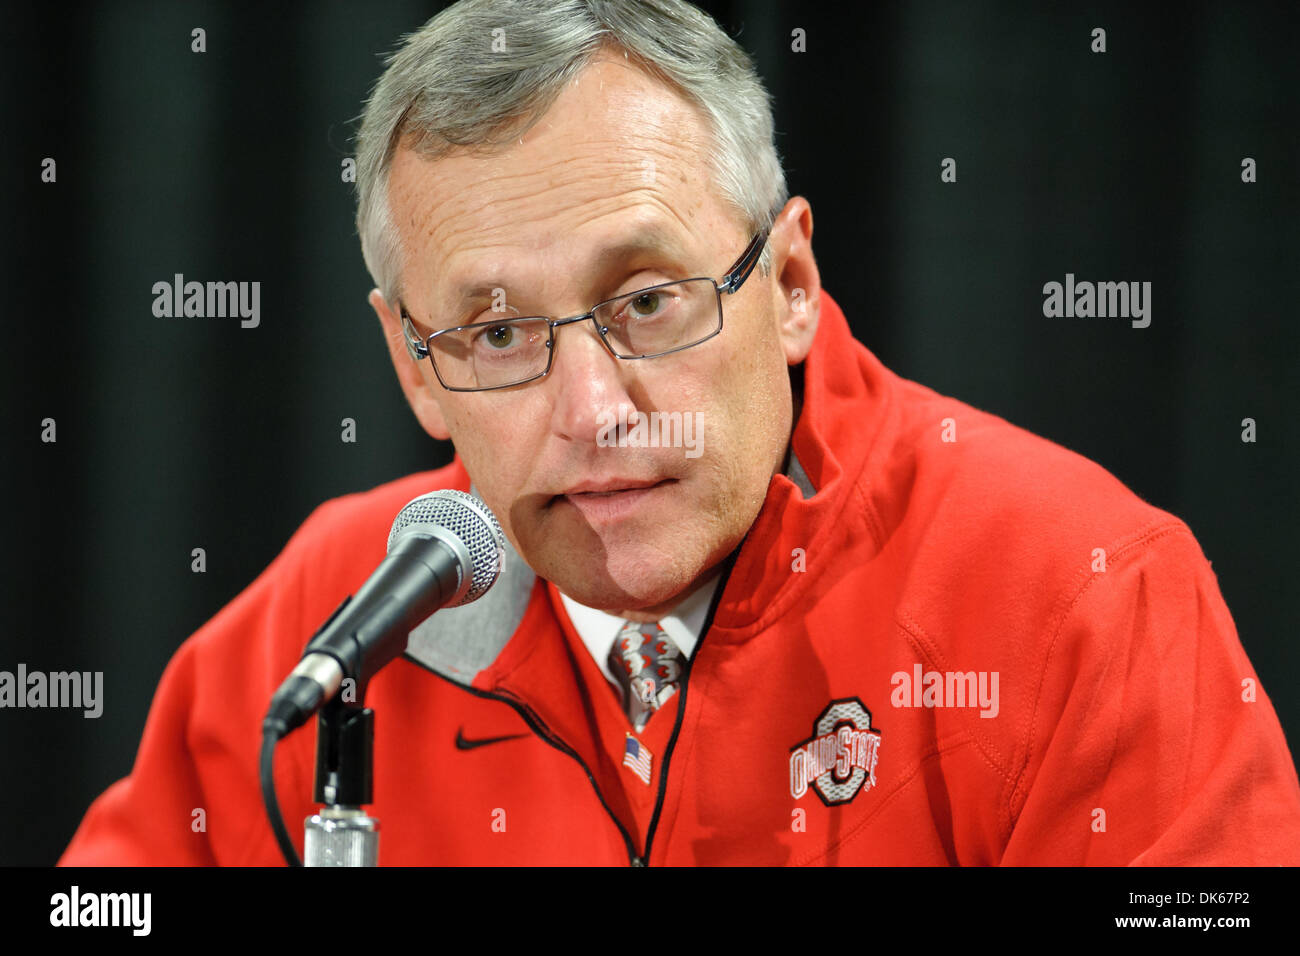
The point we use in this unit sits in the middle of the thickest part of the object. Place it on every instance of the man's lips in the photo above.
(609, 501)
(612, 484)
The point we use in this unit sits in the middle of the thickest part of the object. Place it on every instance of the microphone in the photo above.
(445, 550)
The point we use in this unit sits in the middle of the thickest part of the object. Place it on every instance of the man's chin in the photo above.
(630, 587)
(621, 549)
(622, 565)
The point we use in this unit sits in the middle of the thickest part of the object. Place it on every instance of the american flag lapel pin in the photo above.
(637, 756)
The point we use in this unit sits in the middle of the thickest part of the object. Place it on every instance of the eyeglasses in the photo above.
(647, 323)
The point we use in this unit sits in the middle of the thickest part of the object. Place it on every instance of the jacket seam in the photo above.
(1143, 539)
(927, 648)
(874, 526)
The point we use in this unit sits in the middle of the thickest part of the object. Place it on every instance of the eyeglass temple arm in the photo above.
(738, 273)
(414, 344)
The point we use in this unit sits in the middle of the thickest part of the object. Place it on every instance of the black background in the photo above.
(182, 433)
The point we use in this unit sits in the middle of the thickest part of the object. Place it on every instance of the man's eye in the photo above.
(647, 303)
(498, 336)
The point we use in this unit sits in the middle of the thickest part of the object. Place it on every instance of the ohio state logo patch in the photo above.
(839, 759)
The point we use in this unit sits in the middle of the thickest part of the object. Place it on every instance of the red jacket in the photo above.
(1127, 725)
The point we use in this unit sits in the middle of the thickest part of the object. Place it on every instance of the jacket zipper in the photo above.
(681, 704)
(668, 756)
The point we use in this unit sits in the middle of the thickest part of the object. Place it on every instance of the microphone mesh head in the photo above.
(470, 520)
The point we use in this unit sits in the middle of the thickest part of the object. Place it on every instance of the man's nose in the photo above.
(588, 382)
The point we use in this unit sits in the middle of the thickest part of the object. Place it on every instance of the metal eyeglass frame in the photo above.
(731, 282)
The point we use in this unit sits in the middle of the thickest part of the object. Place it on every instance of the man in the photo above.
(824, 615)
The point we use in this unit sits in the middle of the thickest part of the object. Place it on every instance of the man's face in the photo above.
(618, 162)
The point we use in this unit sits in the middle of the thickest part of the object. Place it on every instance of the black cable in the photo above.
(272, 731)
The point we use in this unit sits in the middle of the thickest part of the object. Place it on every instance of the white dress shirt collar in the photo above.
(683, 623)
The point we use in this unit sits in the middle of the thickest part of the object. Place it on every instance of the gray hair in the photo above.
(446, 87)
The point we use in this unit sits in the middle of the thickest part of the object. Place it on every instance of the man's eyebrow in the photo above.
(648, 243)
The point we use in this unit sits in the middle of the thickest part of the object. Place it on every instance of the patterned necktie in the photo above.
(647, 663)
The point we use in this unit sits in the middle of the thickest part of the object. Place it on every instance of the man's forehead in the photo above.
(471, 273)
(498, 198)
(617, 145)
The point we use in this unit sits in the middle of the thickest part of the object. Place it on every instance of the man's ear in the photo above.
(799, 286)
(417, 384)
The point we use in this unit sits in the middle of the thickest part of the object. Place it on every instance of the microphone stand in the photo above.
(342, 834)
